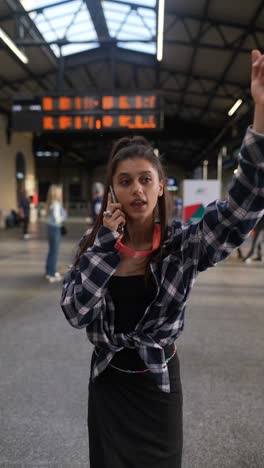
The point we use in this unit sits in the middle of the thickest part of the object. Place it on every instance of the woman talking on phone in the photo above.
(129, 285)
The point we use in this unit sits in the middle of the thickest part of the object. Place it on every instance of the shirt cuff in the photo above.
(254, 143)
(106, 239)
(254, 131)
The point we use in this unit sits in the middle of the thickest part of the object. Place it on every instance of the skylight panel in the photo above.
(51, 36)
(116, 16)
(149, 18)
(149, 3)
(114, 7)
(75, 48)
(41, 24)
(32, 4)
(62, 21)
(133, 23)
(63, 9)
(81, 28)
(139, 47)
(58, 24)
(132, 32)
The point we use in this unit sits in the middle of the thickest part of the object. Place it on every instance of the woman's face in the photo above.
(137, 187)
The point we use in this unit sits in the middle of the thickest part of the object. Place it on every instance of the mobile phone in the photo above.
(114, 200)
(113, 196)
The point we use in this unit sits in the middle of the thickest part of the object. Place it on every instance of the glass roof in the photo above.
(60, 19)
(128, 22)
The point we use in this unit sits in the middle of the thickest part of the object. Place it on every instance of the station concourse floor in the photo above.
(45, 363)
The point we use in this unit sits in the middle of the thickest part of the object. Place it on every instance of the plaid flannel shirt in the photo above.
(86, 301)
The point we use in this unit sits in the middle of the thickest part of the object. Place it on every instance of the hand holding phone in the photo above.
(114, 200)
(114, 218)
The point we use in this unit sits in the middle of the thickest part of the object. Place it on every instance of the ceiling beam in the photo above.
(90, 76)
(194, 54)
(130, 58)
(112, 41)
(31, 75)
(216, 142)
(103, 53)
(211, 20)
(223, 76)
(98, 18)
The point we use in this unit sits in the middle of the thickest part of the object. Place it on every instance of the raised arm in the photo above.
(226, 224)
(257, 90)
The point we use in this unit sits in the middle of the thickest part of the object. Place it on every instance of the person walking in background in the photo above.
(178, 208)
(98, 193)
(257, 240)
(24, 212)
(129, 285)
(56, 215)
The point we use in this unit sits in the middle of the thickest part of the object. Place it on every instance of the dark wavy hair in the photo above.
(128, 148)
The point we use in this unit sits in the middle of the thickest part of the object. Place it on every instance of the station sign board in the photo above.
(106, 112)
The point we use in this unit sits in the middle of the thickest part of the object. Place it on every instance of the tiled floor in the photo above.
(44, 364)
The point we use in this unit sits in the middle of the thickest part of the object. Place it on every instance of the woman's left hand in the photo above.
(257, 89)
(257, 77)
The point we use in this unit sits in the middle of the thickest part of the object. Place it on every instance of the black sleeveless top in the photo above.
(131, 296)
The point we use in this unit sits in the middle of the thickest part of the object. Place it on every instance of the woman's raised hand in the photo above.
(257, 89)
(257, 77)
(113, 215)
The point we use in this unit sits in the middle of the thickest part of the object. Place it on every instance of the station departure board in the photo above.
(87, 113)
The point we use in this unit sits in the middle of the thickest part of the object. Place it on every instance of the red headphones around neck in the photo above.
(140, 253)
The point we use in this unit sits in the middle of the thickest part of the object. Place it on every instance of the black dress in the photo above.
(131, 422)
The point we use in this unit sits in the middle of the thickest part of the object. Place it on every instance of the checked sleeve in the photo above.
(226, 224)
(84, 288)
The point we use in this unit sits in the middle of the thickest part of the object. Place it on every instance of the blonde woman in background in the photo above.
(56, 215)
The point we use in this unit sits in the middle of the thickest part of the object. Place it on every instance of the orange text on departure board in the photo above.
(94, 103)
(69, 122)
(92, 122)
(137, 121)
(70, 103)
(128, 102)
